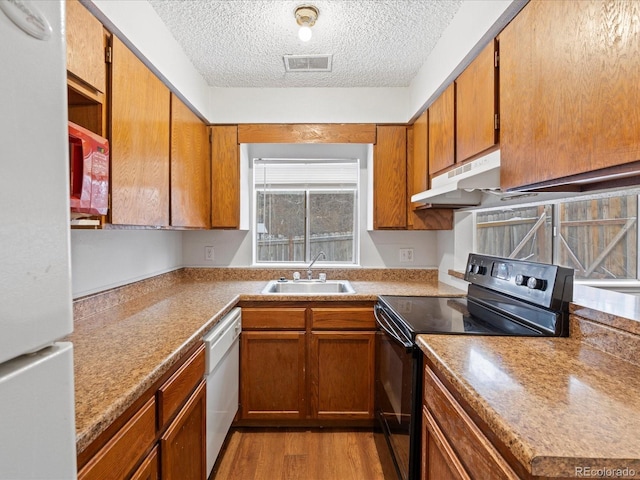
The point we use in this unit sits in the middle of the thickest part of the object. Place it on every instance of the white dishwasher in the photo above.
(222, 346)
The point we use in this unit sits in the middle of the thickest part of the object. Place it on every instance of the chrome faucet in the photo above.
(309, 272)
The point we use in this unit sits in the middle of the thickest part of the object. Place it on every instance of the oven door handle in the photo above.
(387, 326)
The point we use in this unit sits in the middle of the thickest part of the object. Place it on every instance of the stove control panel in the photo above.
(542, 284)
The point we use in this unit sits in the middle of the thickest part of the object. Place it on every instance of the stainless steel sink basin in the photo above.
(309, 287)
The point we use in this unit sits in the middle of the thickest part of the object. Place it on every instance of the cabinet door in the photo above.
(149, 468)
(569, 74)
(85, 46)
(190, 168)
(139, 142)
(225, 177)
(182, 446)
(390, 178)
(476, 105)
(342, 366)
(439, 461)
(419, 181)
(442, 131)
(272, 375)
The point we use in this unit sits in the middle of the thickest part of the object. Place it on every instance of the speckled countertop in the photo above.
(557, 403)
(126, 339)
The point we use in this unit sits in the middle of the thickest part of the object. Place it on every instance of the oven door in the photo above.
(397, 398)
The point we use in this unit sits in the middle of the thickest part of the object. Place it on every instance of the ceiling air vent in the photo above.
(307, 63)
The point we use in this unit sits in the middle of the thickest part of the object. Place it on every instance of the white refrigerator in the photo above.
(37, 426)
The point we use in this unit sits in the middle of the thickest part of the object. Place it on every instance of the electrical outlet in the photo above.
(406, 255)
(208, 254)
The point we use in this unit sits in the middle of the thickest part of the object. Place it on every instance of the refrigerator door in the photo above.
(37, 426)
(35, 272)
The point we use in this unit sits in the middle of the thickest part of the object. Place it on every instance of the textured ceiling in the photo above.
(240, 43)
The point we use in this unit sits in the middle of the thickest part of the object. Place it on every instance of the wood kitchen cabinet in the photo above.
(293, 359)
(439, 460)
(148, 470)
(182, 446)
(121, 453)
(161, 436)
(86, 68)
(420, 216)
(225, 177)
(418, 180)
(190, 168)
(140, 113)
(442, 132)
(339, 337)
(476, 100)
(569, 75)
(390, 178)
(85, 46)
(453, 446)
(272, 363)
(272, 376)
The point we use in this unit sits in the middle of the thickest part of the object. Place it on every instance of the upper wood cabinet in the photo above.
(477, 105)
(85, 46)
(225, 177)
(418, 155)
(390, 178)
(86, 68)
(442, 131)
(419, 217)
(140, 112)
(190, 168)
(569, 75)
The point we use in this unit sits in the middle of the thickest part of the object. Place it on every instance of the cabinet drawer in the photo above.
(343, 318)
(273, 318)
(116, 459)
(175, 391)
(476, 453)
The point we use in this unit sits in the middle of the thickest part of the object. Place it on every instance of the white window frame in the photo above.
(307, 190)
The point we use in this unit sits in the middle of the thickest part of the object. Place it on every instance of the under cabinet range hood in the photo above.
(462, 186)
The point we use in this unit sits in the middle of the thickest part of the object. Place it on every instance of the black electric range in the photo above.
(505, 297)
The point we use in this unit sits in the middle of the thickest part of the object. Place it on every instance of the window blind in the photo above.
(275, 173)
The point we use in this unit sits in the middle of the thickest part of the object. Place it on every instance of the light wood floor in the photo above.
(295, 454)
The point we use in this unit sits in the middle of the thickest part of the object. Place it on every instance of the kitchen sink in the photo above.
(309, 287)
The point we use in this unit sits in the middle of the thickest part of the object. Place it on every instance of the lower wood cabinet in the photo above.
(272, 376)
(149, 468)
(183, 444)
(307, 363)
(439, 460)
(453, 446)
(162, 436)
(341, 372)
(121, 453)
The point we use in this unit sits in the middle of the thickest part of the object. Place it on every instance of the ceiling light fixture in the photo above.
(306, 16)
